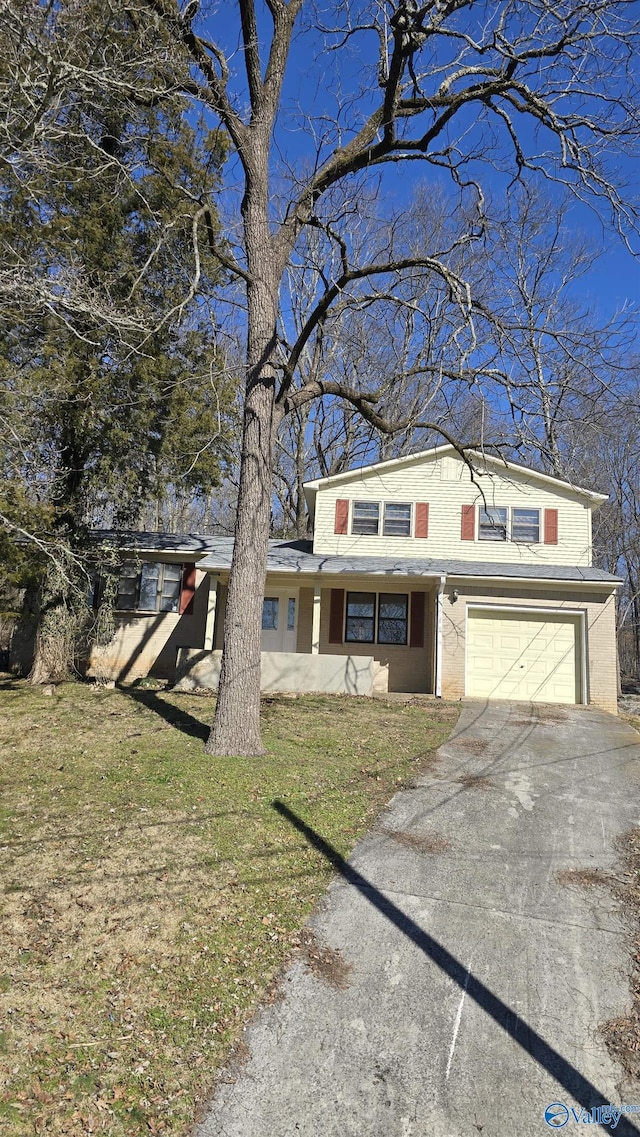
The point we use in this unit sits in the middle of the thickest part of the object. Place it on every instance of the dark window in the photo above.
(493, 524)
(366, 516)
(397, 519)
(149, 587)
(392, 618)
(525, 526)
(391, 610)
(361, 611)
(291, 614)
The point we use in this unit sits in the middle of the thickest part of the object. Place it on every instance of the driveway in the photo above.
(458, 975)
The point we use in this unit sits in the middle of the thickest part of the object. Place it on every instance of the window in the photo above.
(149, 587)
(525, 526)
(291, 614)
(392, 618)
(270, 614)
(361, 612)
(387, 611)
(493, 524)
(366, 516)
(397, 519)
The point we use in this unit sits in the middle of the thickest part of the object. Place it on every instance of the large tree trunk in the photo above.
(236, 728)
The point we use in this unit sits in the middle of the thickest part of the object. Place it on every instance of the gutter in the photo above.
(438, 663)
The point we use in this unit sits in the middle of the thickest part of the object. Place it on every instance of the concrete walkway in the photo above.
(467, 981)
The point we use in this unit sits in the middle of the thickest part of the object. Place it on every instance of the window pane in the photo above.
(393, 607)
(525, 526)
(128, 586)
(171, 588)
(149, 577)
(361, 607)
(359, 629)
(291, 614)
(493, 524)
(397, 519)
(365, 517)
(392, 618)
(361, 604)
(270, 614)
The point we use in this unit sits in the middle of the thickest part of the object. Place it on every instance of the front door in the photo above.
(280, 620)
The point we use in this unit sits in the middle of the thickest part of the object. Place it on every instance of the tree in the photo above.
(467, 88)
(478, 94)
(100, 414)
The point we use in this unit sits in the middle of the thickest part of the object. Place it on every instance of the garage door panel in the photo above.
(533, 657)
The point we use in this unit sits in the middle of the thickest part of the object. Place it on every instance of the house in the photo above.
(424, 575)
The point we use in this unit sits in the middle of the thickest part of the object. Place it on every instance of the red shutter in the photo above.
(336, 615)
(422, 519)
(468, 523)
(551, 526)
(188, 590)
(342, 516)
(416, 627)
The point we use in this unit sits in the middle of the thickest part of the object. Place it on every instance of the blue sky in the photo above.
(317, 83)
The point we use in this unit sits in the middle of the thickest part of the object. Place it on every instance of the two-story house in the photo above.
(425, 574)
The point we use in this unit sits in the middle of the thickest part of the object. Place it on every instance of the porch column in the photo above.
(315, 626)
(210, 626)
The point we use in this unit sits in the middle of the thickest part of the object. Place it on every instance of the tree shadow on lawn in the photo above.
(175, 716)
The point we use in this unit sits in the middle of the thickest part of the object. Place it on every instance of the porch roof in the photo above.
(298, 558)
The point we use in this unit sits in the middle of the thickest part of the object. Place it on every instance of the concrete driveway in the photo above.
(459, 980)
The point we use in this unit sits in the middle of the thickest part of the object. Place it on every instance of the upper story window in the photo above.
(149, 587)
(515, 524)
(492, 524)
(525, 526)
(397, 519)
(365, 518)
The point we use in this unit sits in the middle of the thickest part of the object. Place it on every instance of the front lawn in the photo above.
(150, 894)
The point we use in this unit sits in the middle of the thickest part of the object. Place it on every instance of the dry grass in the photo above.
(475, 746)
(430, 843)
(150, 894)
(326, 963)
(475, 782)
(583, 878)
(623, 1035)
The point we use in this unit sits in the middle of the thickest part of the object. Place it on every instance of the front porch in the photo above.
(361, 635)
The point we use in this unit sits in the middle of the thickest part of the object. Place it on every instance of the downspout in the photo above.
(439, 595)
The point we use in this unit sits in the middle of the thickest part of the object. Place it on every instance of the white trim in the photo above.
(439, 451)
(212, 601)
(315, 620)
(522, 610)
(438, 661)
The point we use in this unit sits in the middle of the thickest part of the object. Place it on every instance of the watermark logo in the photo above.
(556, 1115)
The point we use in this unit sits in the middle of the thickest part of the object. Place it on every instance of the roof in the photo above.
(474, 455)
(297, 558)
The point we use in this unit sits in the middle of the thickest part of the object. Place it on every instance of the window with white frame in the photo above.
(397, 519)
(492, 524)
(376, 618)
(149, 587)
(525, 526)
(365, 518)
(519, 524)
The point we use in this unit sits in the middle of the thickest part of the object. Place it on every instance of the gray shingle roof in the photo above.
(297, 557)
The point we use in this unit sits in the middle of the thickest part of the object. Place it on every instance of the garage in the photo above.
(533, 656)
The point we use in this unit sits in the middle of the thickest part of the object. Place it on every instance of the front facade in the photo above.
(426, 574)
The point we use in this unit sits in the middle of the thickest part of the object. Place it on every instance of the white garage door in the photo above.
(535, 657)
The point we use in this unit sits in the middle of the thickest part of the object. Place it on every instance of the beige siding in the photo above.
(148, 644)
(600, 637)
(409, 667)
(446, 485)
